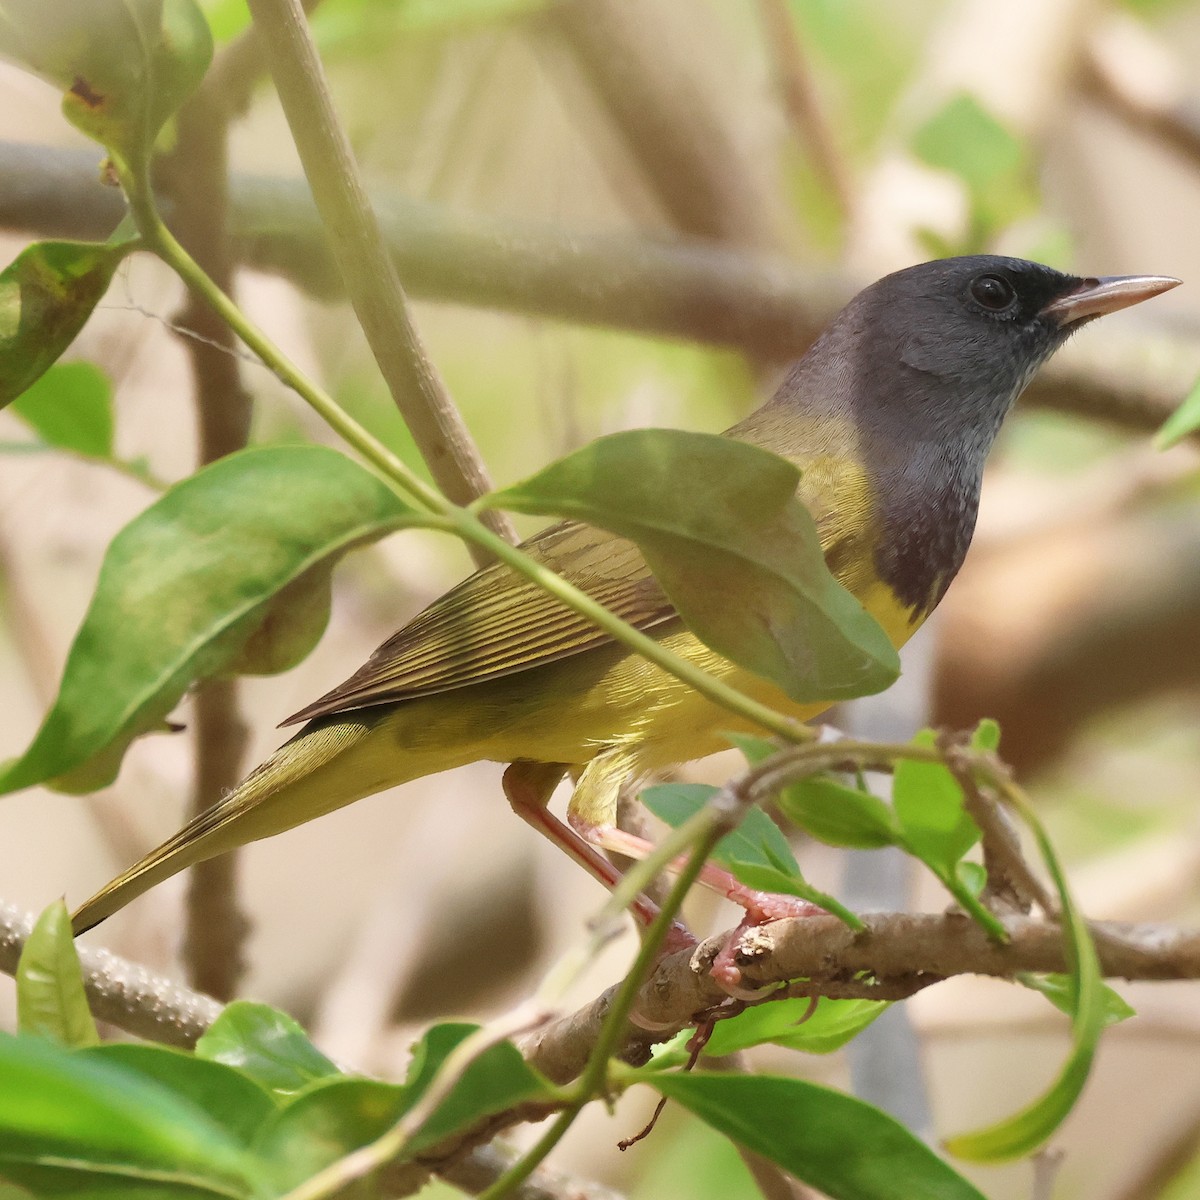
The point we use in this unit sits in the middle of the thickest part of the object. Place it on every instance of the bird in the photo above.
(889, 415)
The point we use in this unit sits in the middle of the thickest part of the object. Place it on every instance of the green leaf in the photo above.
(784, 883)
(125, 65)
(1060, 991)
(1023, 1133)
(754, 749)
(229, 1097)
(964, 138)
(720, 527)
(928, 805)
(50, 996)
(70, 407)
(792, 1023)
(839, 815)
(756, 853)
(185, 585)
(497, 1080)
(986, 735)
(757, 839)
(329, 1120)
(47, 294)
(1183, 422)
(334, 1117)
(972, 876)
(74, 1126)
(841, 1146)
(265, 1044)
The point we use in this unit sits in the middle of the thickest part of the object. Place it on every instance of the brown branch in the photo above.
(634, 56)
(897, 955)
(1168, 1161)
(196, 177)
(802, 102)
(704, 293)
(1108, 77)
(369, 274)
(1123, 591)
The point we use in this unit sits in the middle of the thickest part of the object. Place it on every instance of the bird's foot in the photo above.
(759, 907)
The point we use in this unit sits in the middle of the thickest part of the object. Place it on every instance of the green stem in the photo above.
(159, 239)
(594, 1080)
(709, 686)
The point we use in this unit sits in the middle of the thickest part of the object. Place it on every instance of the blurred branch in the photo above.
(195, 176)
(764, 306)
(372, 283)
(1169, 1160)
(635, 57)
(802, 102)
(1122, 591)
(1132, 76)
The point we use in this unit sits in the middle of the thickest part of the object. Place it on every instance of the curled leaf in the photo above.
(46, 296)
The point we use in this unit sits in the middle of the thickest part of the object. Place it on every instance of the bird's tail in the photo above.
(306, 777)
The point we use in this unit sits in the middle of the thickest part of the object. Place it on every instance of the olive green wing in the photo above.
(497, 622)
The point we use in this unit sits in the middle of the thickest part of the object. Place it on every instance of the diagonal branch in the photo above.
(369, 273)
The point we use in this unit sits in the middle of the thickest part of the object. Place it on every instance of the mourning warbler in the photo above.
(889, 416)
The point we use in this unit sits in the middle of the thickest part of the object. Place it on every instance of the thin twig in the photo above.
(370, 276)
(802, 102)
(1011, 880)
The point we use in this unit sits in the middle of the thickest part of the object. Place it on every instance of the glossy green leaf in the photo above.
(1060, 991)
(841, 1146)
(756, 853)
(329, 1120)
(719, 525)
(227, 1096)
(125, 66)
(50, 996)
(70, 408)
(74, 1126)
(265, 1044)
(333, 1117)
(1183, 422)
(839, 815)
(794, 1023)
(784, 883)
(185, 585)
(757, 839)
(497, 1080)
(1023, 1133)
(47, 294)
(928, 805)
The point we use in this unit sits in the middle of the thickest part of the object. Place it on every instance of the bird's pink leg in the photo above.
(528, 786)
(760, 907)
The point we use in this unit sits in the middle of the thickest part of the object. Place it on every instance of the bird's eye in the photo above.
(994, 292)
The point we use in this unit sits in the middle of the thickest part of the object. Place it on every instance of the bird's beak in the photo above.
(1109, 293)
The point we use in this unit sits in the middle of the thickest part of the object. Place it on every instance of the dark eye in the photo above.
(994, 292)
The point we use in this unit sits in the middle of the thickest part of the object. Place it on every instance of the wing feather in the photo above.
(497, 622)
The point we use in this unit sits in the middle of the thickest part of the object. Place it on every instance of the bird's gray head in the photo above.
(913, 378)
(943, 349)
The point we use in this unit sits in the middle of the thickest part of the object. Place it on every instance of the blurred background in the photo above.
(616, 213)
